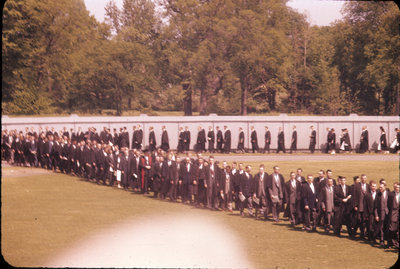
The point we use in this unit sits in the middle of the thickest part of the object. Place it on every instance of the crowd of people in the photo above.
(368, 209)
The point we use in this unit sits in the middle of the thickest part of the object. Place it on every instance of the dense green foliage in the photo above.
(222, 56)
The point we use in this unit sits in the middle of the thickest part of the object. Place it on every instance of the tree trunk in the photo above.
(243, 109)
(187, 102)
(203, 102)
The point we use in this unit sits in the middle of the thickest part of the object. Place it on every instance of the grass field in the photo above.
(44, 214)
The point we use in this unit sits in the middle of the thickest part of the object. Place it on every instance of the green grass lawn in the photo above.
(44, 214)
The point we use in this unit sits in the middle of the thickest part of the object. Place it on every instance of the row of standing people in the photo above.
(217, 141)
(309, 202)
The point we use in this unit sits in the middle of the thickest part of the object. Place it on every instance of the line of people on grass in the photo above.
(218, 141)
(369, 209)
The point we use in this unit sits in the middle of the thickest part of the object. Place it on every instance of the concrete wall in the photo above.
(353, 123)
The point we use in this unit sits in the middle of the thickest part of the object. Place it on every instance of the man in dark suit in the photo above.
(369, 203)
(115, 138)
(275, 189)
(326, 199)
(125, 169)
(220, 139)
(313, 139)
(267, 139)
(164, 139)
(139, 137)
(186, 178)
(156, 174)
(393, 216)
(293, 199)
(181, 138)
(173, 189)
(201, 140)
(299, 176)
(145, 171)
(227, 140)
(281, 141)
(342, 201)
(103, 135)
(254, 139)
(246, 188)
(345, 144)
(364, 140)
(381, 213)
(48, 149)
(210, 139)
(168, 175)
(293, 145)
(198, 185)
(240, 147)
(226, 188)
(353, 207)
(152, 139)
(186, 140)
(212, 184)
(33, 157)
(360, 190)
(124, 138)
(309, 195)
(260, 192)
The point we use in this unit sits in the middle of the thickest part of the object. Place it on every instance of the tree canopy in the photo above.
(222, 56)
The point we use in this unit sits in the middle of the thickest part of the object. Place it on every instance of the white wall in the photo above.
(353, 123)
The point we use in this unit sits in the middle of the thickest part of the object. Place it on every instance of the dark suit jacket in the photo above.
(325, 203)
(241, 138)
(281, 138)
(338, 199)
(269, 183)
(381, 205)
(253, 137)
(292, 195)
(187, 176)
(220, 137)
(222, 180)
(309, 197)
(257, 179)
(165, 141)
(246, 184)
(152, 140)
(211, 137)
(268, 137)
(227, 140)
(313, 137)
(393, 207)
(294, 140)
(201, 137)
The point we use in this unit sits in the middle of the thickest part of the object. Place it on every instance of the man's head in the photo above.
(261, 168)
(363, 178)
(276, 169)
(372, 185)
